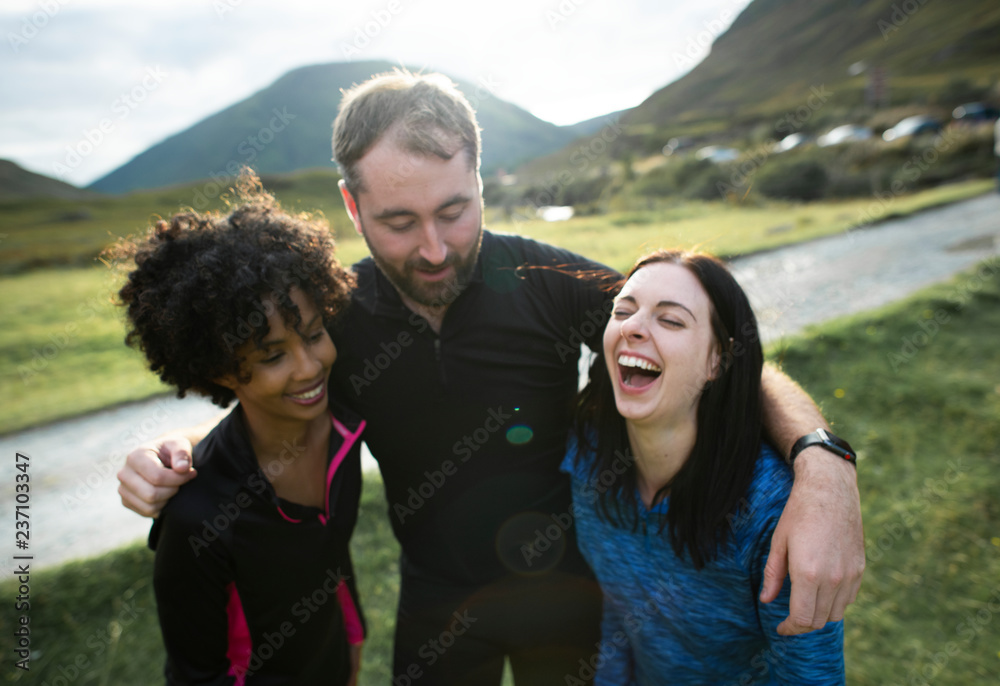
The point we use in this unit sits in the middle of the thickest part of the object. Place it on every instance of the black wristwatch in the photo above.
(836, 445)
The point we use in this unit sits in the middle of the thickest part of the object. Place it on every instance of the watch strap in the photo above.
(823, 438)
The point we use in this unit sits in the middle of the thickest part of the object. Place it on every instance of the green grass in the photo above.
(922, 412)
(62, 351)
(921, 401)
(50, 232)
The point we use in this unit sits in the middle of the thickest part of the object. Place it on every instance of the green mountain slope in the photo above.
(783, 66)
(20, 184)
(286, 127)
(777, 50)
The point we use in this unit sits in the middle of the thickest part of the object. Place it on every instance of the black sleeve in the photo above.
(579, 289)
(191, 581)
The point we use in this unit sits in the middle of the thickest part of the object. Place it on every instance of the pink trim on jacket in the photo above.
(240, 647)
(352, 621)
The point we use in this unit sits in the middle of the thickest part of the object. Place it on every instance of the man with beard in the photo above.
(461, 351)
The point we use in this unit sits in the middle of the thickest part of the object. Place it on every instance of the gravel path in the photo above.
(74, 507)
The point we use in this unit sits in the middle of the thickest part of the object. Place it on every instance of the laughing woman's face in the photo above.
(659, 345)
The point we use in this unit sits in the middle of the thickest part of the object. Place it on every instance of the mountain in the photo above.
(286, 127)
(777, 50)
(789, 65)
(17, 183)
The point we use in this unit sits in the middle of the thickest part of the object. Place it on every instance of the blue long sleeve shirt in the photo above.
(666, 622)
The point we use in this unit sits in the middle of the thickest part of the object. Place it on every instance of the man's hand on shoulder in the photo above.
(819, 541)
(153, 472)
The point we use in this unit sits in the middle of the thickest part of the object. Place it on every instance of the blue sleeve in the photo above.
(816, 657)
(616, 668)
(813, 658)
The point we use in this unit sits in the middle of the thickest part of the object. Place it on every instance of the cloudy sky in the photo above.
(105, 79)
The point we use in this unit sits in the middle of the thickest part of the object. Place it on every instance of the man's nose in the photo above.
(432, 246)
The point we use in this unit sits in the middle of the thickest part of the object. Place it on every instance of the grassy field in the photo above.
(916, 388)
(61, 352)
(58, 233)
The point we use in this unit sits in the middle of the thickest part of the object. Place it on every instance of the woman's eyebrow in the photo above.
(674, 303)
(279, 341)
(662, 303)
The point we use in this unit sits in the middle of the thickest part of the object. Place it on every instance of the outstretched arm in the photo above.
(154, 470)
(819, 540)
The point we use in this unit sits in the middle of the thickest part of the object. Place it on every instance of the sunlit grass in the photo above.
(62, 348)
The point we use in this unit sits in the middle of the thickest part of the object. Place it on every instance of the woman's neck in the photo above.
(660, 451)
(292, 455)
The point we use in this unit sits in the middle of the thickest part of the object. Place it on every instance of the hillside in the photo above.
(17, 183)
(286, 127)
(759, 80)
(776, 50)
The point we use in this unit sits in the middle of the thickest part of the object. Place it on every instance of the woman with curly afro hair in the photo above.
(253, 575)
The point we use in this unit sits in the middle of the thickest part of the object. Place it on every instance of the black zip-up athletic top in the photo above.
(470, 426)
(249, 587)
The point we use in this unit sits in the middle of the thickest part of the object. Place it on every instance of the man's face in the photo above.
(421, 217)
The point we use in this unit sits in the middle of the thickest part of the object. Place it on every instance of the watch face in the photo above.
(835, 444)
(835, 440)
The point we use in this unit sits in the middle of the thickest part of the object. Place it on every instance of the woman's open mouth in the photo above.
(636, 372)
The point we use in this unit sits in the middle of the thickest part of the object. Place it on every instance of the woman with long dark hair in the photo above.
(675, 493)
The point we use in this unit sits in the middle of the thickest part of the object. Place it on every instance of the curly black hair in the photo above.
(202, 286)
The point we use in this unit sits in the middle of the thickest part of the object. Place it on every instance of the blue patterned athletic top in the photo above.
(666, 623)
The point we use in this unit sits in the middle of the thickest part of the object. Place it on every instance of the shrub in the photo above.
(804, 180)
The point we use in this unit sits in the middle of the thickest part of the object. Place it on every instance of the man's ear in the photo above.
(350, 205)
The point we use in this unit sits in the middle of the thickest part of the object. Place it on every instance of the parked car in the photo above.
(717, 154)
(848, 133)
(790, 141)
(913, 126)
(974, 112)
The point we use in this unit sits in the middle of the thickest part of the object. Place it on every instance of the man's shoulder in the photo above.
(528, 250)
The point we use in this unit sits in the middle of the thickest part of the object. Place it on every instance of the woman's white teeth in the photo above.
(309, 395)
(638, 362)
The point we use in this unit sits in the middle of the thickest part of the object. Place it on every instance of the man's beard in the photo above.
(436, 294)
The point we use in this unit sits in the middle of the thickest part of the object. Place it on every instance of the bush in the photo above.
(583, 191)
(660, 182)
(804, 180)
